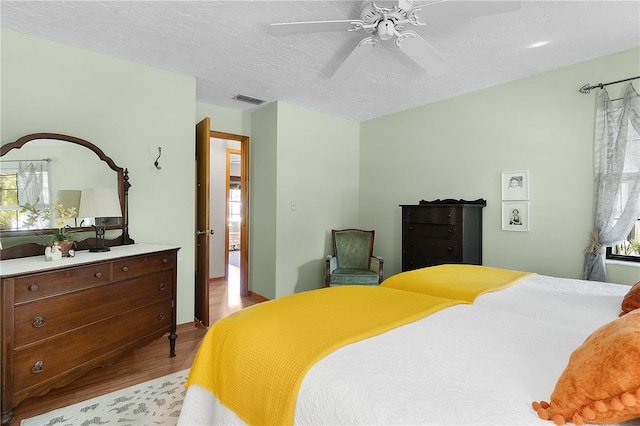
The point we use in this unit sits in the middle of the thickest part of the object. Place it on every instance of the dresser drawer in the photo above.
(445, 232)
(141, 265)
(446, 250)
(436, 215)
(36, 286)
(46, 318)
(415, 261)
(37, 363)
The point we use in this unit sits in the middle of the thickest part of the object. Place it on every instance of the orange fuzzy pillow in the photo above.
(601, 384)
(631, 300)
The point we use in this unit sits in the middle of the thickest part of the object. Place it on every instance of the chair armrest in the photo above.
(377, 265)
(330, 265)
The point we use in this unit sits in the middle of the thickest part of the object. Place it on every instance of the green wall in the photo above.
(263, 165)
(317, 169)
(224, 119)
(458, 148)
(126, 109)
(311, 159)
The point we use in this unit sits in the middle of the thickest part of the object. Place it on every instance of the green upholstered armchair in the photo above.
(353, 261)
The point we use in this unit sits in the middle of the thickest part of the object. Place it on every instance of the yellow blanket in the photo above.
(254, 360)
(461, 282)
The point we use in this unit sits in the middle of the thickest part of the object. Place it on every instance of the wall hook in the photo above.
(155, 163)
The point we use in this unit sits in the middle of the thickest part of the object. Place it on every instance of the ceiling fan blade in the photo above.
(284, 28)
(423, 53)
(354, 59)
(449, 12)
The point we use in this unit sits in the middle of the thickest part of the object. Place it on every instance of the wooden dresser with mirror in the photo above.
(63, 318)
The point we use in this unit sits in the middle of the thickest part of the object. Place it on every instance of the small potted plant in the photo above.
(36, 217)
(62, 236)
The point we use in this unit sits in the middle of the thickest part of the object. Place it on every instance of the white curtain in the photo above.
(617, 177)
(33, 187)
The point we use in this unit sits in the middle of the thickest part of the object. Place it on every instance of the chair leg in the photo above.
(327, 272)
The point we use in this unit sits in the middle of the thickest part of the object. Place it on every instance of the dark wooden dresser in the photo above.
(63, 318)
(441, 231)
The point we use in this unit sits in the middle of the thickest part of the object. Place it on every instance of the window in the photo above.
(9, 208)
(24, 184)
(628, 249)
(234, 217)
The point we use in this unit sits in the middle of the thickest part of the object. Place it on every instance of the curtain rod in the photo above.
(48, 160)
(587, 87)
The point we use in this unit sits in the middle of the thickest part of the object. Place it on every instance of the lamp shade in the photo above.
(99, 202)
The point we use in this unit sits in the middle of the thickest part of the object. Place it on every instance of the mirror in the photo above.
(73, 164)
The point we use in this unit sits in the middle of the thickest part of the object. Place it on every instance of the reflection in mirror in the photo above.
(42, 183)
(41, 178)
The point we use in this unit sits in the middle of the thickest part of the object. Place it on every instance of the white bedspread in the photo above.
(468, 364)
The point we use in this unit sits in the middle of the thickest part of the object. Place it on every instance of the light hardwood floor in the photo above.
(143, 364)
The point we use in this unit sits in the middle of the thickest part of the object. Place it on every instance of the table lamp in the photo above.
(99, 203)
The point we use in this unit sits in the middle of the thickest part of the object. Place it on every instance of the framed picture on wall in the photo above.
(515, 215)
(515, 185)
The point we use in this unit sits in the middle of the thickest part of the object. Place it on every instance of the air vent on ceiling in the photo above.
(248, 99)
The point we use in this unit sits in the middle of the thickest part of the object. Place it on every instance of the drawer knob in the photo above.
(449, 216)
(161, 316)
(450, 249)
(39, 321)
(33, 287)
(125, 268)
(165, 260)
(450, 231)
(411, 228)
(411, 244)
(98, 274)
(38, 367)
(162, 286)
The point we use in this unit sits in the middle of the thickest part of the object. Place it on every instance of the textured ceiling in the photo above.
(227, 47)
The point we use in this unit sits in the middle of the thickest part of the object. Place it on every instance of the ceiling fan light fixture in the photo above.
(386, 30)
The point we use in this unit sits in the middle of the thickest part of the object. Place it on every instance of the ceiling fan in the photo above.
(389, 20)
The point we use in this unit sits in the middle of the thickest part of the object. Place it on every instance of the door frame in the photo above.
(202, 216)
(244, 207)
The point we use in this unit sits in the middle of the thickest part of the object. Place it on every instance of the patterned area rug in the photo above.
(157, 402)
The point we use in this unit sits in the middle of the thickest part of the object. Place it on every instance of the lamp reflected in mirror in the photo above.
(100, 204)
(70, 199)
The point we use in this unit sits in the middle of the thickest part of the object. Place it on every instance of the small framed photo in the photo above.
(515, 215)
(515, 185)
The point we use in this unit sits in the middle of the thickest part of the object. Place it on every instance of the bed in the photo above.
(486, 357)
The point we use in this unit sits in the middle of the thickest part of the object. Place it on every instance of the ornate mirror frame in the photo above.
(35, 249)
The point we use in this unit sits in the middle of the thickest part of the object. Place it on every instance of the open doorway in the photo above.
(233, 224)
(227, 219)
(212, 222)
